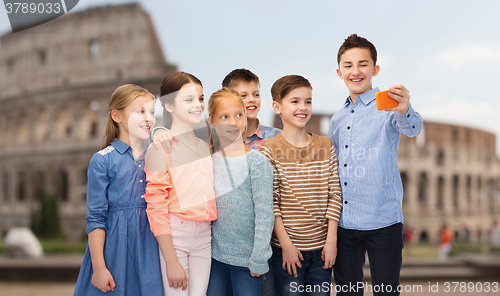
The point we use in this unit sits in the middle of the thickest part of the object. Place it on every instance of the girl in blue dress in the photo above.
(122, 253)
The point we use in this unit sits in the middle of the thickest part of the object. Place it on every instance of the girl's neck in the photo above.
(252, 125)
(183, 130)
(296, 136)
(233, 149)
(135, 144)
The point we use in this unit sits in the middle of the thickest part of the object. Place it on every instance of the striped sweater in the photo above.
(306, 189)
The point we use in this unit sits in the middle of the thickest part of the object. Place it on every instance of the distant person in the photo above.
(366, 142)
(408, 239)
(243, 184)
(445, 240)
(306, 190)
(495, 235)
(122, 253)
(180, 194)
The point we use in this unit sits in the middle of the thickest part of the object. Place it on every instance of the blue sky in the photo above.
(447, 53)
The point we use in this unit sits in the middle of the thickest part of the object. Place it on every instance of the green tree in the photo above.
(45, 221)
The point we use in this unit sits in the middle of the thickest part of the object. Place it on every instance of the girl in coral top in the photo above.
(179, 192)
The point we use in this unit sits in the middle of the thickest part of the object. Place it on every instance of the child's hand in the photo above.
(254, 274)
(329, 254)
(399, 93)
(291, 256)
(103, 280)
(176, 276)
(165, 138)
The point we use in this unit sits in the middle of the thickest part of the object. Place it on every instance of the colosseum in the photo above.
(56, 81)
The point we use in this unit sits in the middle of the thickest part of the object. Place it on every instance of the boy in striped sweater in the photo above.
(307, 194)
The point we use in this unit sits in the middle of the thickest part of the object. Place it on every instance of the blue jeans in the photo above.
(230, 280)
(384, 247)
(311, 279)
(267, 280)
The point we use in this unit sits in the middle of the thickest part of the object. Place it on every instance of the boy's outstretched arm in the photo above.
(291, 255)
(407, 120)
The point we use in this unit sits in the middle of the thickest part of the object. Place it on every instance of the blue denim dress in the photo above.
(116, 185)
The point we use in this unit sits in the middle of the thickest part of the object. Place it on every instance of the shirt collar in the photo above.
(120, 146)
(258, 132)
(366, 98)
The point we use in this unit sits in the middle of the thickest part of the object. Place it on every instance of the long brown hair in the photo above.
(121, 98)
(215, 99)
(169, 86)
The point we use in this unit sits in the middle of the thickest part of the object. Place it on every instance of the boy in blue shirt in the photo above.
(366, 142)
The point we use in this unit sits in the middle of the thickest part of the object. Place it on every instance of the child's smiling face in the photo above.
(250, 93)
(187, 106)
(140, 118)
(229, 120)
(357, 68)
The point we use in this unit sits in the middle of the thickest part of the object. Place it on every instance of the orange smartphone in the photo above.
(384, 101)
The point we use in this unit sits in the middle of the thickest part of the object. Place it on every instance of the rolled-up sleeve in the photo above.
(158, 185)
(97, 188)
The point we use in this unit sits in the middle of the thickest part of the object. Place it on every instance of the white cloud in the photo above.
(466, 55)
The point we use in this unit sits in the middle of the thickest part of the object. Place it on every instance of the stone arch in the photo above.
(21, 186)
(41, 126)
(404, 181)
(491, 196)
(423, 238)
(440, 158)
(422, 188)
(61, 185)
(23, 132)
(39, 181)
(64, 122)
(456, 186)
(440, 193)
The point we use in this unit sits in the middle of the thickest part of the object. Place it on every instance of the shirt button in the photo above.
(139, 165)
(140, 181)
(204, 192)
(345, 202)
(408, 116)
(413, 126)
(345, 183)
(207, 211)
(348, 127)
(142, 196)
(352, 111)
(203, 173)
(345, 165)
(346, 146)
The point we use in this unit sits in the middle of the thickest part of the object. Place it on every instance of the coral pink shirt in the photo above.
(179, 183)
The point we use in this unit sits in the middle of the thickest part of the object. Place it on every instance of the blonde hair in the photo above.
(121, 98)
(215, 99)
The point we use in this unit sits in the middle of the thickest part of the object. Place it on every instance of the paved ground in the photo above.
(419, 277)
(66, 289)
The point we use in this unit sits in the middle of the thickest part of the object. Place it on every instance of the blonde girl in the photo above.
(121, 255)
(243, 179)
(180, 195)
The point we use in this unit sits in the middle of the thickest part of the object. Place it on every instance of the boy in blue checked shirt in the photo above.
(366, 142)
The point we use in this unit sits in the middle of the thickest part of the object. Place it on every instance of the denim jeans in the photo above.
(311, 279)
(230, 280)
(267, 280)
(384, 247)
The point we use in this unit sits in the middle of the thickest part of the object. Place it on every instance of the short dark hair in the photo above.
(355, 41)
(286, 84)
(237, 76)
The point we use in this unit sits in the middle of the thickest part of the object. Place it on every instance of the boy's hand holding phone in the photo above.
(397, 93)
